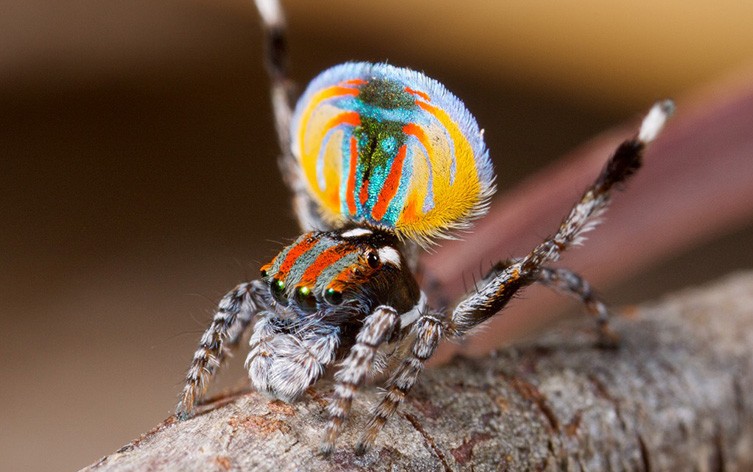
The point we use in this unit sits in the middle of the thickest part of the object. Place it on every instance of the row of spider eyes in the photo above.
(304, 296)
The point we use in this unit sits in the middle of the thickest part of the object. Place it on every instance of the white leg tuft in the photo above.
(271, 13)
(655, 120)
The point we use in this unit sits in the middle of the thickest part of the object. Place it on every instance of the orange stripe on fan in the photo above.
(347, 118)
(334, 91)
(364, 193)
(418, 93)
(419, 133)
(353, 82)
(391, 184)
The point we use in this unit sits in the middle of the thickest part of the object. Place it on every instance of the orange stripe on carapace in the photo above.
(391, 184)
(324, 260)
(293, 255)
(350, 194)
(418, 93)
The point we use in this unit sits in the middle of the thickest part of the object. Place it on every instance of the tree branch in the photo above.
(674, 396)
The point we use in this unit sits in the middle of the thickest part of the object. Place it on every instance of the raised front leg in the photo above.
(234, 314)
(377, 329)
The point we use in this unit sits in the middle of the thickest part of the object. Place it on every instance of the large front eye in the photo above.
(373, 259)
(305, 298)
(333, 297)
(278, 291)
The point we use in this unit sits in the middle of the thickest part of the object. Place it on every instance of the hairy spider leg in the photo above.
(234, 313)
(275, 53)
(378, 328)
(575, 286)
(583, 217)
(572, 284)
(497, 292)
(427, 332)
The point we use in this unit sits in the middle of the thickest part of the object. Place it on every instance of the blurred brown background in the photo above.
(138, 181)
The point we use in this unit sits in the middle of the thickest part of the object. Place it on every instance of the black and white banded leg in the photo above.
(378, 328)
(427, 333)
(234, 313)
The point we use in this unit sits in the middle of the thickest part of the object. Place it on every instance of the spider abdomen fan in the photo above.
(390, 147)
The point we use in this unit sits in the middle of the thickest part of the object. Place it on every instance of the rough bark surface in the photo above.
(676, 395)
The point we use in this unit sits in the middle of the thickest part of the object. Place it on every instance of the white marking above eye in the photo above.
(356, 232)
(389, 255)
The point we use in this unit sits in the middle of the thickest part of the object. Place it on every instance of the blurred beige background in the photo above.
(138, 182)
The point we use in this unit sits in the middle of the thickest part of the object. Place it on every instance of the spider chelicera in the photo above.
(381, 161)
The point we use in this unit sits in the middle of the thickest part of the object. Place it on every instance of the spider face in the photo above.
(330, 274)
(321, 288)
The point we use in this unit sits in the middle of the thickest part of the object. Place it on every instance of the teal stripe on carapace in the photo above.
(307, 259)
(277, 262)
(325, 278)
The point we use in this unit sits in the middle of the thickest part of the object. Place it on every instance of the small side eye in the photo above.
(373, 259)
(333, 297)
(278, 291)
(263, 273)
(305, 298)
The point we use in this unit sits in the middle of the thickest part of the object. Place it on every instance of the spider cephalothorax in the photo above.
(322, 287)
(381, 161)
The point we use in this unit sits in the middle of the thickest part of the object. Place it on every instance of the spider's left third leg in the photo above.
(571, 284)
(428, 331)
(583, 217)
(377, 329)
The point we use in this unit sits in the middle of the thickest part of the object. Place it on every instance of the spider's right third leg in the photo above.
(234, 313)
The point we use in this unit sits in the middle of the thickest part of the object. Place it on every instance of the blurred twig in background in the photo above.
(696, 184)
